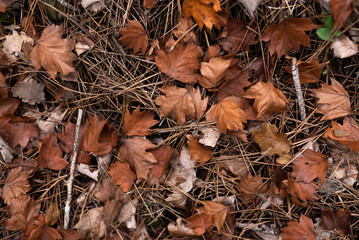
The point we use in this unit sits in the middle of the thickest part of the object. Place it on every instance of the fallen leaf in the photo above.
(134, 36)
(251, 5)
(199, 223)
(339, 220)
(267, 98)
(29, 91)
(309, 72)
(310, 165)
(236, 79)
(111, 210)
(53, 119)
(257, 70)
(53, 53)
(217, 211)
(149, 4)
(239, 36)
(182, 63)
(106, 190)
(334, 101)
(127, 214)
(67, 139)
(197, 151)
(213, 72)
(343, 47)
(50, 154)
(6, 152)
(288, 34)
(86, 170)
(6, 4)
(251, 186)
(92, 221)
(122, 175)
(138, 123)
(181, 102)
(182, 27)
(213, 51)
(40, 230)
(93, 5)
(351, 139)
(204, 12)
(304, 229)
(16, 184)
(68, 234)
(52, 214)
(228, 115)
(236, 167)
(134, 151)
(13, 42)
(301, 190)
(163, 155)
(341, 11)
(179, 229)
(210, 137)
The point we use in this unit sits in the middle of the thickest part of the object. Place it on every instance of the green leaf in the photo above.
(323, 33)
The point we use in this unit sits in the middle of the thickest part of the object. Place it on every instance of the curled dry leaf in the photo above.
(343, 47)
(197, 151)
(304, 229)
(339, 220)
(250, 186)
(138, 123)
(29, 91)
(122, 175)
(341, 10)
(213, 72)
(228, 115)
(16, 184)
(182, 27)
(50, 155)
(334, 101)
(53, 53)
(267, 98)
(288, 34)
(199, 223)
(134, 36)
(309, 72)
(40, 230)
(179, 229)
(217, 211)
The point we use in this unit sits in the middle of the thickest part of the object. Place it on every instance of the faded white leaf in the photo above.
(85, 170)
(127, 214)
(251, 5)
(93, 5)
(13, 42)
(210, 136)
(179, 229)
(343, 47)
(6, 151)
(92, 221)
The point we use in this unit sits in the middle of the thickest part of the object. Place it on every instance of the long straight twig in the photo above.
(72, 171)
(298, 89)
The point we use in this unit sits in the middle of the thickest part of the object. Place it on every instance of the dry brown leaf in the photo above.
(5, 4)
(267, 98)
(68, 234)
(236, 79)
(182, 63)
(122, 175)
(301, 190)
(8, 106)
(334, 101)
(134, 151)
(149, 4)
(213, 72)
(251, 186)
(182, 27)
(204, 12)
(106, 190)
(309, 72)
(50, 155)
(288, 34)
(181, 102)
(304, 229)
(228, 115)
(138, 123)
(29, 91)
(40, 230)
(197, 151)
(52, 214)
(341, 10)
(217, 211)
(134, 36)
(199, 223)
(53, 53)
(339, 220)
(310, 165)
(16, 184)
(164, 154)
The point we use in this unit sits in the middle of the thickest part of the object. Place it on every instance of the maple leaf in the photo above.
(341, 11)
(236, 79)
(199, 223)
(250, 186)
(134, 36)
(138, 123)
(217, 211)
(334, 101)
(346, 134)
(8, 106)
(16, 183)
(181, 102)
(197, 151)
(182, 63)
(213, 72)
(163, 155)
(309, 166)
(67, 139)
(122, 175)
(22, 212)
(148, 4)
(182, 27)
(288, 34)
(5, 4)
(301, 190)
(134, 151)
(53, 53)
(339, 220)
(228, 115)
(50, 155)
(304, 229)
(238, 38)
(309, 72)
(204, 12)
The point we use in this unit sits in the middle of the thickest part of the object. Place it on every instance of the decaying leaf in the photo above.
(29, 91)
(134, 36)
(309, 72)
(213, 72)
(334, 101)
(127, 214)
(92, 221)
(343, 47)
(179, 229)
(16, 184)
(197, 151)
(210, 137)
(341, 10)
(138, 123)
(304, 229)
(251, 5)
(93, 5)
(122, 175)
(50, 155)
(250, 186)
(13, 42)
(199, 223)
(339, 220)
(217, 211)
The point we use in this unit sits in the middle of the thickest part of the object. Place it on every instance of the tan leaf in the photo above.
(251, 5)
(52, 214)
(334, 101)
(199, 223)
(304, 229)
(53, 53)
(68, 234)
(29, 91)
(250, 186)
(267, 98)
(228, 115)
(182, 27)
(16, 183)
(122, 175)
(134, 36)
(343, 47)
(13, 42)
(217, 211)
(106, 190)
(197, 151)
(138, 123)
(92, 221)
(213, 72)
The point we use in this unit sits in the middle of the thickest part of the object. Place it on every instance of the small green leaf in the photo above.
(325, 71)
(323, 33)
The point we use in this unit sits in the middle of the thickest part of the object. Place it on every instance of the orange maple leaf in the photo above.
(199, 223)
(134, 36)
(197, 151)
(16, 183)
(288, 34)
(304, 229)
(122, 175)
(217, 211)
(341, 11)
(213, 73)
(138, 123)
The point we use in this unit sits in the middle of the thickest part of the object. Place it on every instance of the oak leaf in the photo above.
(182, 27)
(346, 134)
(138, 123)
(204, 12)
(134, 36)
(50, 155)
(5, 4)
(213, 72)
(199, 223)
(182, 63)
(304, 229)
(181, 102)
(16, 183)
(122, 175)
(334, 101)
(238, 38)
(309, 72)
(310, 165)
(341, 11)
(267, 98)
(251, 186)
(197, 151)
(163, 155)
(53, 53)
(217, 211)
(228, 115)
(339, 220)
(8, 106)
(288, 34)
(236, 79)
(134, 151)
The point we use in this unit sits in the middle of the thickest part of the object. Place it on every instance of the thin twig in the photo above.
(72, 171)
(298, 89)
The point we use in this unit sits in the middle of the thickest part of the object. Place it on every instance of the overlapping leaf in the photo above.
(304, 229)
(134, 36)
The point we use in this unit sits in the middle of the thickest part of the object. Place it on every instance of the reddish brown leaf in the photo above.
(217, 211)
(50, 155)
(301, 190)
(238, 38)
(213, 72)
(41, 231)
(5, 4)
(67, 139)
(122, 175)
(309, 166)
(68, 234)
(250, 112)
(309, 72)
(164, 154)
(16, 183)
(250, 186)
(212, 52)
(8, 106)
(341, 10)
(138, 123)
(339, 220)
(149, 4)
(236, 79)
(304, 229)
(134, 36)
(199, 223)
(182, 27)
(197, 151)
(257, 69)
(288, 34)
